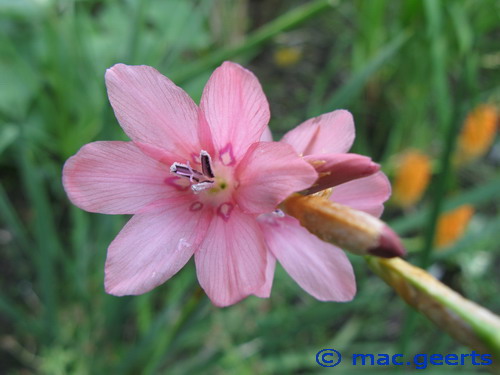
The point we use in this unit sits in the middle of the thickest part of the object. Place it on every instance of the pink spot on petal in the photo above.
(178, 183)
(196, 206)
(226, 155)
(224, 210)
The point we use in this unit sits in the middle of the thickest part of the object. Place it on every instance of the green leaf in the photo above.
(265, 33)
(355, 84)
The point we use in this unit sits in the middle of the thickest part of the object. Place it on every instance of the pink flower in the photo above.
(206, 180)
(357, 181)
(321, 269)
(194, 178)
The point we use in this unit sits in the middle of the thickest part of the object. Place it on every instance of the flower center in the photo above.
(199, 180)
(213, 184)
(212, 181)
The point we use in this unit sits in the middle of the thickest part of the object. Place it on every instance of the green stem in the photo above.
(440, 187)
(467, 322)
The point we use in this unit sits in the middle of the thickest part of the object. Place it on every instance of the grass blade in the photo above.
(262, 35)
(356, 83)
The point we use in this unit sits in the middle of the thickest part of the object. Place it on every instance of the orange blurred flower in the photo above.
(452, 225)
(413, 173)
(478, 133)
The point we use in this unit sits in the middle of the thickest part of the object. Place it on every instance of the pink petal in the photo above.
(267, 135)
(115, 178)
(235, 107)
(367, 194)
(205, 134)
(152, 109)
(268, 173)
(265, 290)
(321, 269)
(330, 133)
(152, 247)
(231, 261)
(336, 169)
(159, 154)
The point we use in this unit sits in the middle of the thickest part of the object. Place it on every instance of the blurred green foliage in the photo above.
(408, 71)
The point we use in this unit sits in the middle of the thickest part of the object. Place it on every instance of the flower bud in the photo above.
(352, 230)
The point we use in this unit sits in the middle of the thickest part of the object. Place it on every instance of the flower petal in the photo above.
(366, 194)
(267, 135)
(231, 261)
(321, 269)
(336, 169)
(268, 173)
(235, 108)
(265, 290)
(152, 247)
(115, 178)
(152, 109)
(330, 133)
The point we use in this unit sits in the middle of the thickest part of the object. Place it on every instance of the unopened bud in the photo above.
(336, 169)
(352, 230)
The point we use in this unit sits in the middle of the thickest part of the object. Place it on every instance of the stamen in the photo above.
(202, 186)
(203, 180)
(185, 171)
(192, 171)
(206, 164)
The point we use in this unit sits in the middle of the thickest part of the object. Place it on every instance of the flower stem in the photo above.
(467, 322)
(464, 320)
